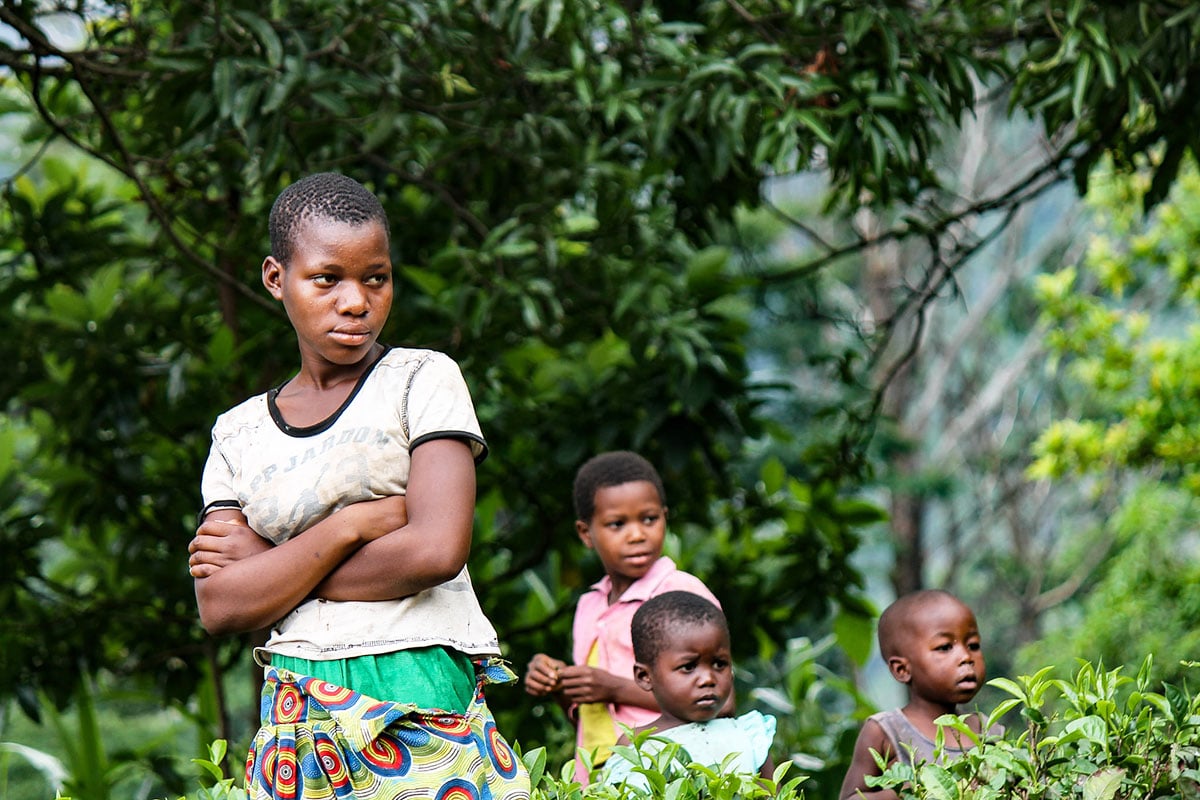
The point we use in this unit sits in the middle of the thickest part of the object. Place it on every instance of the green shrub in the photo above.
(668, 774)
(1100, 735)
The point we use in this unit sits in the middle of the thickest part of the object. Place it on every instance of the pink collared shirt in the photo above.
(597, 621)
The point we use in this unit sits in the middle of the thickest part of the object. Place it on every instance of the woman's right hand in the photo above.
(375, 518)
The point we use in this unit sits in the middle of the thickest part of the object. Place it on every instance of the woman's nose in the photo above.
(352, 299)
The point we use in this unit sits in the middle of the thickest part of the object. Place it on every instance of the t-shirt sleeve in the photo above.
(438, 405)
(216, 482)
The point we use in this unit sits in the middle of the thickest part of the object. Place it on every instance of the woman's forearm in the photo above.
(256, 591)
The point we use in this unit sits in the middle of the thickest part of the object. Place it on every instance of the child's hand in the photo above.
(588, 684)
(542, 675)
(222, 538)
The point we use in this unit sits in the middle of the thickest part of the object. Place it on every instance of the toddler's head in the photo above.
(621, 513)
(682, 655)
(931, 643)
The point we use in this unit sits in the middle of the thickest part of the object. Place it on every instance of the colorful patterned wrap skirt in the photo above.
(319, 740)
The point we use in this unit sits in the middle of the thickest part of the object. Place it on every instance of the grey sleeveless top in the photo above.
(910, 745)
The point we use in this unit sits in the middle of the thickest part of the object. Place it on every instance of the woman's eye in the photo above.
(377, 280)
(323, 280)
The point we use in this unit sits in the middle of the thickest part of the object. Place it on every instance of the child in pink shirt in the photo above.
(621, 513)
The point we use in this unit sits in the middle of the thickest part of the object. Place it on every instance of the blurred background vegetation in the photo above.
(895, 295)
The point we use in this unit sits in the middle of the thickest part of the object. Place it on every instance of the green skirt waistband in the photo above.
(429, 677)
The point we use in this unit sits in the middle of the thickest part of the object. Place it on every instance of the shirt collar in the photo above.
(643, 588)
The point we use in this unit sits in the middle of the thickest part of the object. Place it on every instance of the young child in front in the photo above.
(338, 510)
(931, 644)
(621, 513)
(681, 643)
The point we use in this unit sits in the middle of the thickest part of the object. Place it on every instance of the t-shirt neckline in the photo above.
(300, 431)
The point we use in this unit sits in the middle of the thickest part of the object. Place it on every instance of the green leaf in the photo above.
(103, 290)
(8, 448)
(1083, 78)
(554, 10)
(1010, 686)
(68, 307)
(265, 34)
(224, 74)
(854, 634)
(607, 353)
(428, 281)
(815, 125)
(774, 475)
(705, 266)
(859, 512)
(937, 782)
(1103, 785)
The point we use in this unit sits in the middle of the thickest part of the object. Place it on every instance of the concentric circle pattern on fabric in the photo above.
(332, 696)
(367, 748)
(503, 758)
(386, 756)
(281, 770)
(289, 705)
(458, 790)
(328, 758)
(453, 727)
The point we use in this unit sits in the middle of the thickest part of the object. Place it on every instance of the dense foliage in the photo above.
(563, 180)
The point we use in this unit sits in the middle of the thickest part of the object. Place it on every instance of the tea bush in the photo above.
(1097, 735)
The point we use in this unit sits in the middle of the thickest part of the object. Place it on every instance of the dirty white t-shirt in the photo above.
(286, 479)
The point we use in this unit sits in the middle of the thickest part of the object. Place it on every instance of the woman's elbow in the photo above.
(446, 568)
(216, 617)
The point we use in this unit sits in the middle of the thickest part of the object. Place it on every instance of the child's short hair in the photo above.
(655, 619)
(893, 622)
(325, 195)
(612, 469)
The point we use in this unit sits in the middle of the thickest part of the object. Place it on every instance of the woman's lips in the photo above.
(351, 336)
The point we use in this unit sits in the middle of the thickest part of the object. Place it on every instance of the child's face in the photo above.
(626, 531)
(943, 654)
(337, 289)
(692, 678)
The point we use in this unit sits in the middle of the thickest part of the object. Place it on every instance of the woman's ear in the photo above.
(272, 277)
(641, 676)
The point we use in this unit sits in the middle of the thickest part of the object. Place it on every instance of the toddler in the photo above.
(931, 644)
(681, 643)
